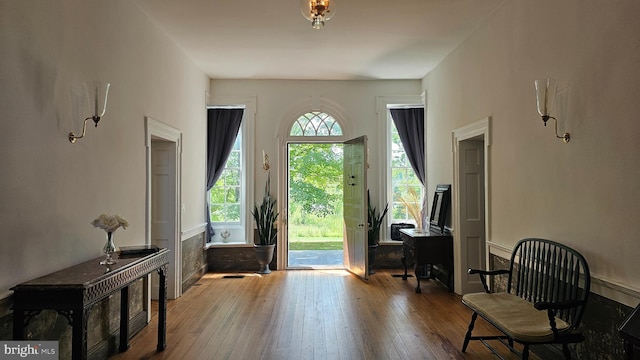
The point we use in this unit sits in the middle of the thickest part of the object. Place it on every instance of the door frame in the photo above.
(309, 104)
(478, 128)
(156, 130)
(284, 214)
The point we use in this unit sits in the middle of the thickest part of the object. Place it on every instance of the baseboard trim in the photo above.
(615, 291)
(194, 277)
(110, 345)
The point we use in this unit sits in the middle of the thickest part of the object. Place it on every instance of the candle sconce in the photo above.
(100, 93)
(545, 99)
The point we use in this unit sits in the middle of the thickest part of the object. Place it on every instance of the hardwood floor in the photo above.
(313, 314)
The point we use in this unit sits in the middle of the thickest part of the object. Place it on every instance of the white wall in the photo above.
(585, 193)
(277, 100)
(50, 190)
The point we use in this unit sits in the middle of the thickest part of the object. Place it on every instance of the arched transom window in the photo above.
(316, 124)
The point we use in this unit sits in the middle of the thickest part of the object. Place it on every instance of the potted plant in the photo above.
(374, 218)
(265, 215)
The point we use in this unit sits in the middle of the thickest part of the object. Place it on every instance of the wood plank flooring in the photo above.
(313, 314)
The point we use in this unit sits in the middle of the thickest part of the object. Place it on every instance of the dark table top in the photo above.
(423, 233)
(87, 273)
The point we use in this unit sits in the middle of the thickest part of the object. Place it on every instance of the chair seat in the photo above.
(516, 317)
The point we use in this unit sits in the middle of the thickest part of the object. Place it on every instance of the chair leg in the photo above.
(525, 352)
(566, 352)
(468, 336)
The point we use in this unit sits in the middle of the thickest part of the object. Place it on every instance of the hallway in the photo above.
(315, 315)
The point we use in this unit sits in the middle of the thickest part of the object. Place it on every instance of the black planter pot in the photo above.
(264, 255)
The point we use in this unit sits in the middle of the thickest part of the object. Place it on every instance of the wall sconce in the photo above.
(100, 92)
(545, 98)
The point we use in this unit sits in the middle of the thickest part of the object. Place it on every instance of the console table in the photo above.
(72, 292)
(427, 247)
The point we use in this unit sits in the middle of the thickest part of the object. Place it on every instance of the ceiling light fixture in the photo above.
(318, 11)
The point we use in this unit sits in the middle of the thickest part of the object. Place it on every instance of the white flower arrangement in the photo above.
(110, 222)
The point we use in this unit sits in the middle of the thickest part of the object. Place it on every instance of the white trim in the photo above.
(157, 130)
(249, 102)
(390, 243)
(383, 102)
(226, 245)
(479, 128)
(196, 230)
(499, 250)
(615, 291)
(608, 288)
(248, 150)
(282, 241)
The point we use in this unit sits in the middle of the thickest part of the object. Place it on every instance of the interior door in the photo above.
(472, 216)
(163, 205)
(355, 207)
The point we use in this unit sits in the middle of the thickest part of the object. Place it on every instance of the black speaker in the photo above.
(395, 230)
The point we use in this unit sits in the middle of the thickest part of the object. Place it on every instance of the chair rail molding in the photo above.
(196, 230)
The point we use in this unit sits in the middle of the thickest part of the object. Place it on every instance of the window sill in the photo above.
(390, 242)
(214, 245)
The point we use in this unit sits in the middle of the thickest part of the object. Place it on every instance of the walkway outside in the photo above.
(316, 259)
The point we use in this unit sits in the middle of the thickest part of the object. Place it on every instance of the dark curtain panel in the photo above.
(410, 125)
(223, 126)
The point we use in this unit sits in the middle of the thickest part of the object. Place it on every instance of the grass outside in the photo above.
(310, 243)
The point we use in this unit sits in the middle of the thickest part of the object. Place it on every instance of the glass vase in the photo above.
(109, 249)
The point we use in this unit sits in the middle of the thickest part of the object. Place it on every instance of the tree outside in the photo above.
(224, 196)
(315, 196)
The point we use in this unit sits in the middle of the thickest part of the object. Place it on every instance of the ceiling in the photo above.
(365, 39)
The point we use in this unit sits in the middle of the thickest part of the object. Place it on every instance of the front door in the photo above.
(355, 207)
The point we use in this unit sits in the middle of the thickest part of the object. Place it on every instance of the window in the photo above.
(225, 195)
(406, 188)
(231, 197)
(316, 124)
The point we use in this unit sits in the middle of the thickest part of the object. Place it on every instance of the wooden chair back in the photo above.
(546, 271)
